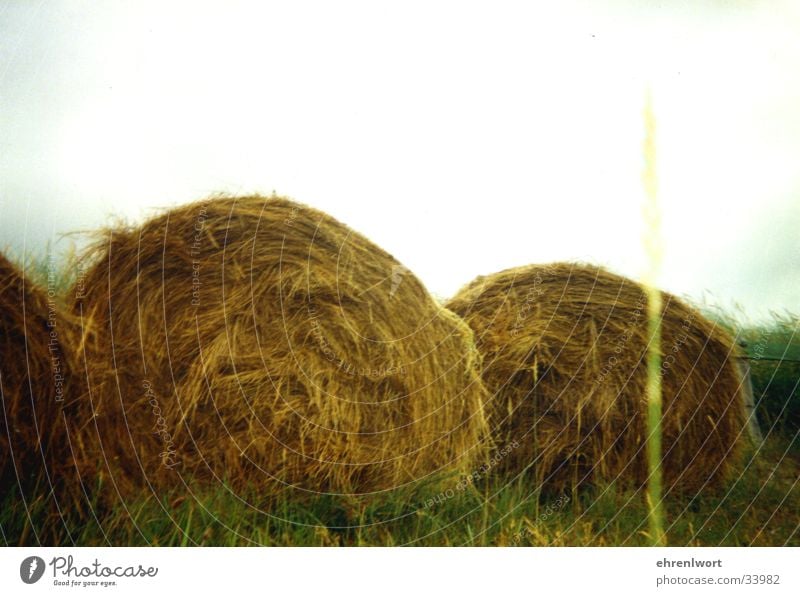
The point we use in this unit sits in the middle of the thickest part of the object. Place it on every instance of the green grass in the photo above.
(774, 351)
(760, 507)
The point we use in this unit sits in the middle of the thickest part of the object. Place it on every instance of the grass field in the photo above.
(761, 506)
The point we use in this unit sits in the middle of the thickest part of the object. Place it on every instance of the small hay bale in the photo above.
(564, 351)
(34, 374)
(259, 342)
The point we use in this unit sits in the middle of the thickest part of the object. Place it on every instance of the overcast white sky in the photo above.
(463, 137)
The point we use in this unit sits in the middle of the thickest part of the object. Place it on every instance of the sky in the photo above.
(463, 137)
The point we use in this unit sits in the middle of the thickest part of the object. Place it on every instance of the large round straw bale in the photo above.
(259, 342)
(564, 349)
(33, 376)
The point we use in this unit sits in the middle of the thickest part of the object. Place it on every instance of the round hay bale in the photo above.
(34, 367)
(259, 342)
(564, 350)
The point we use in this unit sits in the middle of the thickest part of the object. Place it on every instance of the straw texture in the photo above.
(258, 342)
(564, 349)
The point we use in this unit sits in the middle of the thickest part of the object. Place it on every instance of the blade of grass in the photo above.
(653, 248)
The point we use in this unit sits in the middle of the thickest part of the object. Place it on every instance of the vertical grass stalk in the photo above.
(653, 249)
